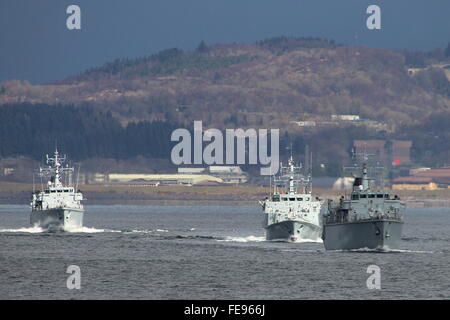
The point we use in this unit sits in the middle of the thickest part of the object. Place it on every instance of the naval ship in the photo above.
(364, 220)
(59, 205)
(292, 214)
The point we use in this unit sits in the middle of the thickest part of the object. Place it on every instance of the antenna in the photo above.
(270, 180)
(364, 156)
(40, 176)
(78, 177)
(310, 164)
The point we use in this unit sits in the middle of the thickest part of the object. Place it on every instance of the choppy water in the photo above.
(176, 252)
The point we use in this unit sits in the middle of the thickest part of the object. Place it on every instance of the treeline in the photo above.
(164, 63)
(420, 59)
(170, 61)
(431, 140)
(433, 80)
(82, 132)
(280, 45)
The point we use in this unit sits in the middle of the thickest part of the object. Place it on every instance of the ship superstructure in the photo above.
(365, 219)
(59, 204)
(291, 213)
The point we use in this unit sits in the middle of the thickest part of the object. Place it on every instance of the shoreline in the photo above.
(425, 203)
(241, 195)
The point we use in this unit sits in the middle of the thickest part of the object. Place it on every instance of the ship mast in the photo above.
(56, 171)
(363, 184)
(365, 178)
(291, 177)
(56, 162)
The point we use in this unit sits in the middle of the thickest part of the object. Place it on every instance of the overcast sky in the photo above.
(36, 45)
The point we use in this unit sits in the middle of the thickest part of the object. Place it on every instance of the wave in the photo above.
(261, 239)
(318, 240)
(406, 251)
(37, 229)
(243, 239)
(34, 229)
(412, 239)
(383, 250)
(145, 231)
(87, 230)
(303, 250)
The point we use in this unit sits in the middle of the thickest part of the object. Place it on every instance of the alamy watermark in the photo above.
(257, 150)
(373, 22)
(374, 280)
(73, 21)
(74, 280)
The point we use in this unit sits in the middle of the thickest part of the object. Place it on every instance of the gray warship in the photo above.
(292, 214)
(364, 220)
(58, 205)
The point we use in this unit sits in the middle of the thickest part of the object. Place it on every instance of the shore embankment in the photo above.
(20, 193)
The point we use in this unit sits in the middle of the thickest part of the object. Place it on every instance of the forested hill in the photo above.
(268, 83)
(129, 107)
(33, 130)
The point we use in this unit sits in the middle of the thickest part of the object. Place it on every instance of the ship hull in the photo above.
(62, 218)
(374, 234)
(292, 230)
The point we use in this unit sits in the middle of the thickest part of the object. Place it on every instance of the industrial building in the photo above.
(424, 179)
(213, 175)
(162, 179)
(227, 174)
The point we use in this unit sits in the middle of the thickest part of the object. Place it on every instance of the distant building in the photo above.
(8, 171)
(162, 179)
(213, 175)
(305, 123)
(187, 170)
(424, 179)
(415, 171)
(413, 183)
(345, 117)
(225, 170)
(229, 174)
(413, 71)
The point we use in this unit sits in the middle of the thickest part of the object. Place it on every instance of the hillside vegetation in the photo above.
(127, 108)
(266, 84)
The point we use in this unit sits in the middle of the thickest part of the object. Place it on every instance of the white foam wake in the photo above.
(404, 251)
(24, 230)
(244, 239)
(384, 250)
(87, 230)
(146, 231)
(318, 240)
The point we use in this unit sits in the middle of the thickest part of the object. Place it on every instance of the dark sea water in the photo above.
(205, 252)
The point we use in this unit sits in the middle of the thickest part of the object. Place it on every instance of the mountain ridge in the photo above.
(265, 84)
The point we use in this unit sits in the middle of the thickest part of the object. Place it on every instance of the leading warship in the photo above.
(59, 205)
(364, 220)
(292, 215)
